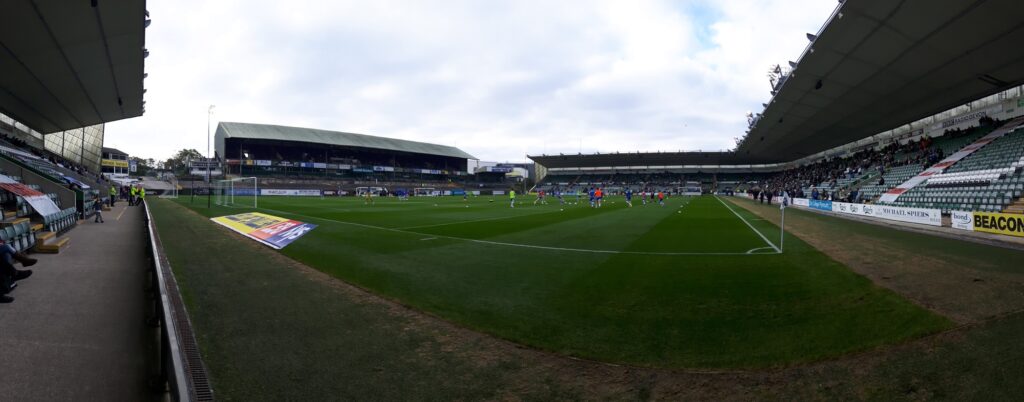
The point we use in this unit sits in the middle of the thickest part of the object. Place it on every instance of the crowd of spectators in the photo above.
(821, 180)
(57, 160)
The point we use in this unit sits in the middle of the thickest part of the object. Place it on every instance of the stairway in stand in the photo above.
(1016, 207)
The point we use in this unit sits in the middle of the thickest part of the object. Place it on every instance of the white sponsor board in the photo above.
(932, 217)
(967, 119)
(300, 193)
(859, 209)
(963, 220)
(923, 216)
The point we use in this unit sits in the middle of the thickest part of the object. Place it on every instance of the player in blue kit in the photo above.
(629, 197)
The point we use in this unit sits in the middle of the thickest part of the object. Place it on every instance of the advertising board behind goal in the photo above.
(289, 192)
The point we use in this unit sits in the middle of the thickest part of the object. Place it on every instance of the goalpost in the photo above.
(374, 191)
(424, 191)
(240, 192)
(691, 188)
(173, 191)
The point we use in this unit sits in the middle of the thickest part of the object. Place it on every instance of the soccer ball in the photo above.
(563, 209)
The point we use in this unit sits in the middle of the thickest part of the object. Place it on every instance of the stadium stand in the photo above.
(988, 180)
(891, 178)
(867, 174)
(293, 157)
(29, 230)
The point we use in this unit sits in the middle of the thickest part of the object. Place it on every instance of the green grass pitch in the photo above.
(695, 284)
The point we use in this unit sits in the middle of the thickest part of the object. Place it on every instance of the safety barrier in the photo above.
(181, 366)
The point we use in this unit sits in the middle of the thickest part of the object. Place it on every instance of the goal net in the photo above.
(374, 191)
(240, 192)
(171, 192)
(692, 188)
(424, 191)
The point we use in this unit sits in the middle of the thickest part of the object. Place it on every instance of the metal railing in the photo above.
(182, 372)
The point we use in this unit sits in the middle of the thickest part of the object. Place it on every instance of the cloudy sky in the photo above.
(497, 79)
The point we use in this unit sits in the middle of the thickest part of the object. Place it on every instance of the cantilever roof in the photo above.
(71, 64)
(312, 135)
(114, 151)
(879, 64)
(643, 159)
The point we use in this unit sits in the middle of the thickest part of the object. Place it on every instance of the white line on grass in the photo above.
(498, 243)
(474, 221)
(753, 250)
(749, 225)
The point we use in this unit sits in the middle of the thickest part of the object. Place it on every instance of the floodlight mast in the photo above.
(209, 112)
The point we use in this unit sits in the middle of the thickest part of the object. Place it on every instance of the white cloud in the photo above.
(497, 79)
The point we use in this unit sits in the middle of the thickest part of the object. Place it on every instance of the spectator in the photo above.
(9, 274)
(98, 207)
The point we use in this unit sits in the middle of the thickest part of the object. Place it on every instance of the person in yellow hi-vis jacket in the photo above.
(113, 195)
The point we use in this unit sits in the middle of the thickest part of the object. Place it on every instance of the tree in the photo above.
(179, 162)
(142, 166)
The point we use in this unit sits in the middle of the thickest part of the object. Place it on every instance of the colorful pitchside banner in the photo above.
(273, 231)
(39, 201)
(1007, 224)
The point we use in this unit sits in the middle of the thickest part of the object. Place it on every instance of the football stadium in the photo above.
(864, 240)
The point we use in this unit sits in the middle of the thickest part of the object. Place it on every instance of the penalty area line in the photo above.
(474, 221)
(754, 250)
(749, 225)
(531, 246)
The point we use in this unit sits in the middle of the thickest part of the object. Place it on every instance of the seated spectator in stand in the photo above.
(9, 274)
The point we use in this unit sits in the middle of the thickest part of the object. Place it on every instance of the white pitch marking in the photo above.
(752, 251)
(498, 243)
(472, 221)
(428, 238)
(749, 225)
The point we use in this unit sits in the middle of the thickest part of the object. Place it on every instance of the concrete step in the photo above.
(10, 214)
(53, 247)
(42, 237)
(13, 221)
(37, 227)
